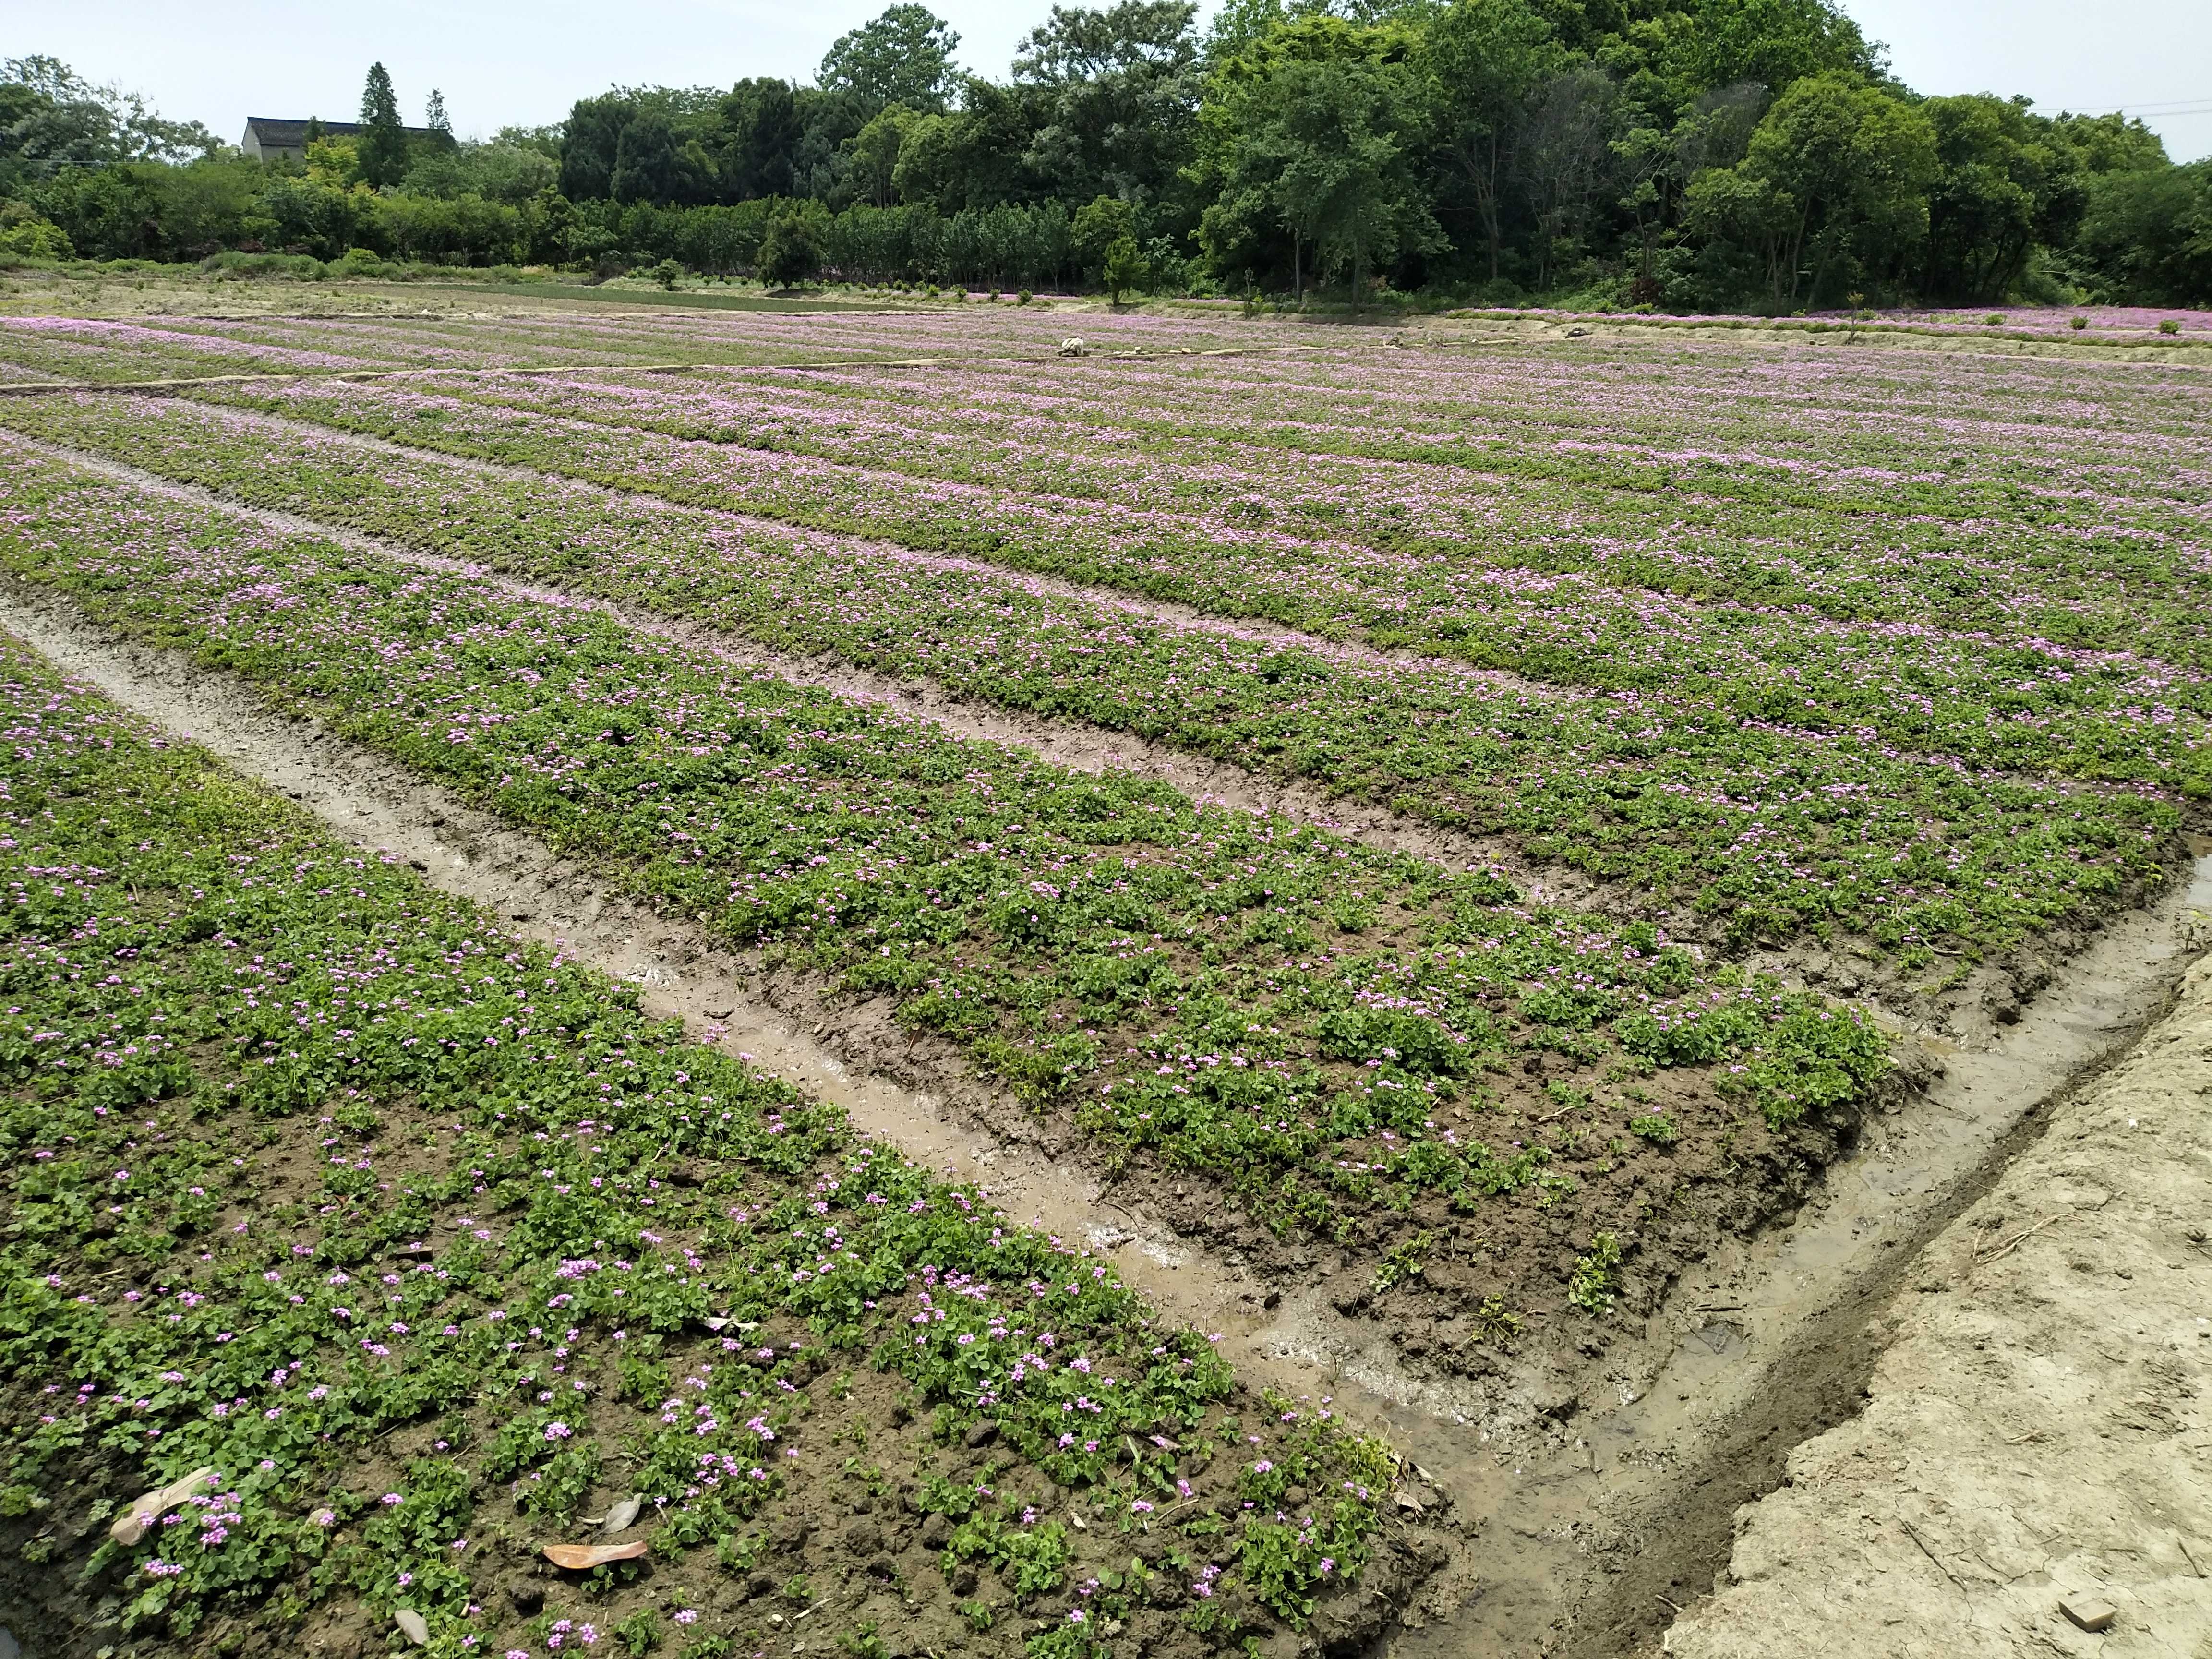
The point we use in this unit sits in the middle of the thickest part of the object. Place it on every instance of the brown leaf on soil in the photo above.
(577, 1557)
(131, 1526)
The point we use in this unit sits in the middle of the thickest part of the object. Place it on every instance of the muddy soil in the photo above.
(1592, 1504)
(2038, 1430)
(1594, 1541)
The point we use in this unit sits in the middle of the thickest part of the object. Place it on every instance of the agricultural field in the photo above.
(1458, 823)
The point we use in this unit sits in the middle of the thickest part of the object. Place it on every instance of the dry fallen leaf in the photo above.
(131, 1526)
(577, 1557)
(619, 1515)
(416, 1627)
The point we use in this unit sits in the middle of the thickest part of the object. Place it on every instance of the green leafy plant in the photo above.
(1595, 1281)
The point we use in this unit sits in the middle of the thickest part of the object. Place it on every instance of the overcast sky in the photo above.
(525, 61)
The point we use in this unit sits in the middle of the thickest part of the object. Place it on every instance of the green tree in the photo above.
(1563, 158)
(2148, 234)
(587, 152)
(1485, 59)
(1773, 42)
(647, 166)
(760, 138)
(52, 118)
(2003, 183)
(1100, 224)
(381, 147)
(1312, 128)
(1125, 269)
(1114, 97)
(903, 57)
(1832, 186)
(874, 150)
(791, 252)
(2111, 143)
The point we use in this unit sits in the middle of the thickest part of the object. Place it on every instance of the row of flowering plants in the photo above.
(383, 1248)
(1752, 777)
(1270, 1006)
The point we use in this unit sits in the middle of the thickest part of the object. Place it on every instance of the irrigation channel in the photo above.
(1582, 1542)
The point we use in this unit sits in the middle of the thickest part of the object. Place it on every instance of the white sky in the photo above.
(525, 61)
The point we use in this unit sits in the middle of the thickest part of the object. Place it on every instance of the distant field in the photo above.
(1479, 817)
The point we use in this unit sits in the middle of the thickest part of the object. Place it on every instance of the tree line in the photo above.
(1685, 155)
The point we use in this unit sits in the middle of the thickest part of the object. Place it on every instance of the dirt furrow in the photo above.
(2064, 1311)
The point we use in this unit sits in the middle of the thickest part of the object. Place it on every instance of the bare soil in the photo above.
(2039, 1428)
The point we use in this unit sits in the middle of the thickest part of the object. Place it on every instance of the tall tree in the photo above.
(52, 118)
(1116, 94)
(1485, 59)
(1834, 182)
(1563, 157)
(760, 134)
(1311, 127)
(645, 160)
(593, 140)
(903, 57)
(875, 152)
(382, 146)
(2003, 183)
(2148, 233)
(435, 118)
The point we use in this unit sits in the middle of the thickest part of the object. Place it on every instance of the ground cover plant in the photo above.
(1380, 496)
(1755, 783)
(1357, 1048)
(404, 1248)
(114, 348)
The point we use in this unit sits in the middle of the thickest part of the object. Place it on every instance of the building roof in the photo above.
(272, 132)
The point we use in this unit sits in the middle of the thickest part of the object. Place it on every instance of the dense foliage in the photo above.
(1711, 154)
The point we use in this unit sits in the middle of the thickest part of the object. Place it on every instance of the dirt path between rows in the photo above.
(1588, 1510)
(2039, 1433)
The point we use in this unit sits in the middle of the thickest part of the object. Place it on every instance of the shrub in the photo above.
(1125, 267)
(790, 253)
(30, 237)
